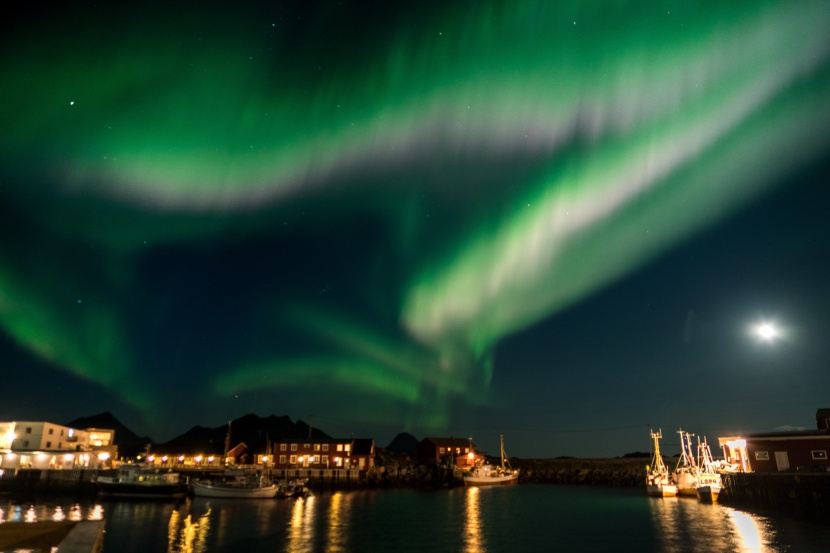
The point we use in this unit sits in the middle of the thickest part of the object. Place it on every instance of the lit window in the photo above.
(762, 455)
(347, 448)
(282, 459)
(316, 447)
(283, 447)
(326, 459)
(293, 447)
(820, 454)
(339, 447)
(441, 450)
(325, 447)
(293, 460)
(316, 460)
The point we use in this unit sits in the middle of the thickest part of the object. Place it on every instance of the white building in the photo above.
(38, 444)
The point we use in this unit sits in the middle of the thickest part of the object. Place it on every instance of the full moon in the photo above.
(766, 331)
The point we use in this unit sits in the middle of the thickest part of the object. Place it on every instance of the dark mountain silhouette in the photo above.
(403, 443)
(254, 431)
(129, 443)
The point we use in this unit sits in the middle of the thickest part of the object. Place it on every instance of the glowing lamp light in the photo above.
(67, 457)
(164, 459)
(103, 456)
(151, 458)
(265, 459)
(210, 459)
(198, 459)
(181, 458)
(471, 456)
(735, 444)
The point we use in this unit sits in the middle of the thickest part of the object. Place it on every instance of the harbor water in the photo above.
(473, 520)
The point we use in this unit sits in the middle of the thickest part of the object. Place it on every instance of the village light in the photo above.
(103, 456)
(164, 459)
(265, 459)
(181, 458)
(210, 459)
(151, 458)
(198, 459)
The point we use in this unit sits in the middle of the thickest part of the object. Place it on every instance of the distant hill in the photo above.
(253, 430)
(129, 443)
(403, 443)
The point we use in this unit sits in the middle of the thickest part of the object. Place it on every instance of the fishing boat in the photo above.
(658, 483)
(686, 471)
(136, 481)
(240, 486)
(709, 481)
(490, 475)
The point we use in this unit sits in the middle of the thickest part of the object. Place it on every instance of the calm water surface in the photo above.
(473, 520)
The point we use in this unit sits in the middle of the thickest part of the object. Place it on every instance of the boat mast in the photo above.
(501, 440)
(658, 459)
(227, 444)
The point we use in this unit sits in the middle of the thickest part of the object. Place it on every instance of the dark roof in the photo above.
(791, 434)
(362, 446)
(315, 441)
(448, 442)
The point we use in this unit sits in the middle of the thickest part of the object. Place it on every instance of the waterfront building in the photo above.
(321, 453)
(457, 452)
(802, 450)
(41, 444)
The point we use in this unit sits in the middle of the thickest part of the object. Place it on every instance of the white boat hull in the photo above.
(708, 493)
(686, 481)
(661, 490)
(503, 480)
(204, 489)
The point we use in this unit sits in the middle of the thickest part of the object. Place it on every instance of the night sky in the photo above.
(553, 220)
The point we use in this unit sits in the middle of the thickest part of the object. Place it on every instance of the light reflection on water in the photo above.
(687, 525)
(302, 527)
(27, 512)
(473, 520)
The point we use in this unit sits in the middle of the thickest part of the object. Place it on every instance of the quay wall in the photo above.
(802, 494)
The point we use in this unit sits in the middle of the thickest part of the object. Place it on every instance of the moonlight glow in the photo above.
(766, 331)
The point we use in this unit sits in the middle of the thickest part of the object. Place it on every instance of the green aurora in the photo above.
(277, 200)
